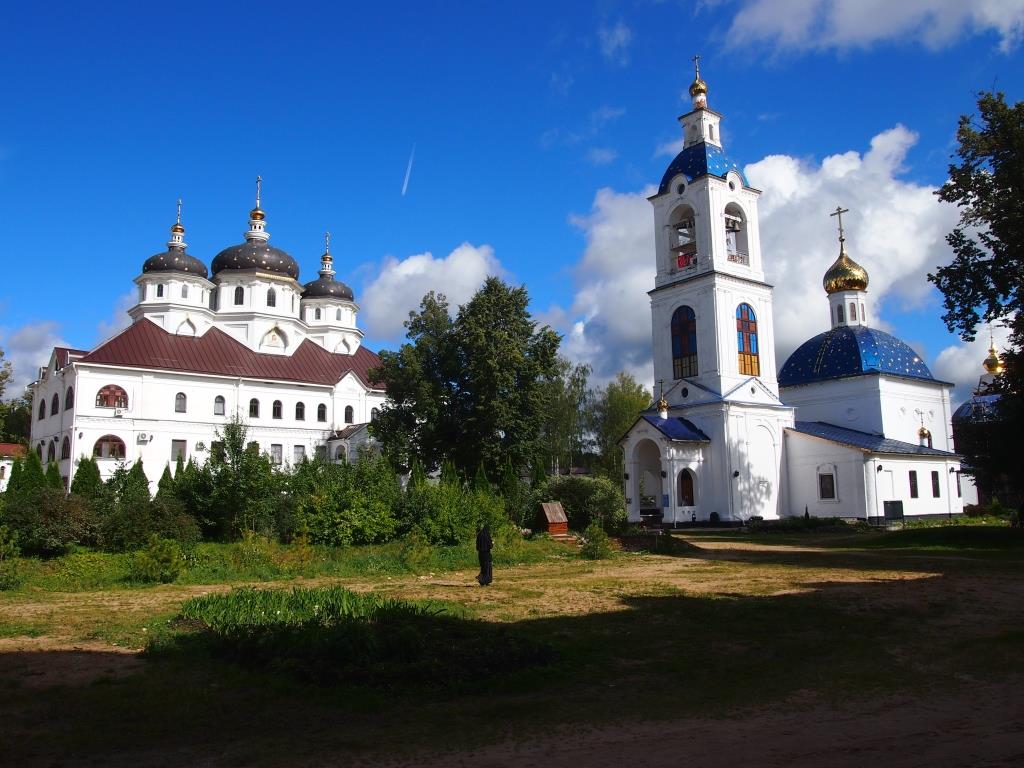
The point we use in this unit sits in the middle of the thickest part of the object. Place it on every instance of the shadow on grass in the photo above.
(670, 656)
(955, 549)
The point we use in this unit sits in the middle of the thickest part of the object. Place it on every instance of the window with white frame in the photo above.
(298, 454)
(179, 449)
(276, 453)
(827, 483)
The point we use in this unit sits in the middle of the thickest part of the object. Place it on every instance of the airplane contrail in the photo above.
(408, 171)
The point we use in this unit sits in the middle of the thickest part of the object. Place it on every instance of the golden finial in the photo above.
(662, 402)
(993, 364)
(176, 227)
(698, 86)
(327, 242)
(845, 274)
(257, 212)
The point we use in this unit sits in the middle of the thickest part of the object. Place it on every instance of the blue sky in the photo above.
(537, 129)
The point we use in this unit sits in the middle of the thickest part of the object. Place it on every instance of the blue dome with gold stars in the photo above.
(699, 160)
(851, 351)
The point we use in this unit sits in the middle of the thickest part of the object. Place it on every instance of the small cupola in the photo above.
(846, 283)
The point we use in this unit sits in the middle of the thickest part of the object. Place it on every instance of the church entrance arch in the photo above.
(684, 489)
(648, 482)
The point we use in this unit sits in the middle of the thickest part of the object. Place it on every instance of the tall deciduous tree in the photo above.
(614, 408)
(470, 390)
(985, 280)
(565, 422)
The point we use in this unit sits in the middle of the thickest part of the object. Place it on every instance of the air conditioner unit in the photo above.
(118, 413)
(143, 437)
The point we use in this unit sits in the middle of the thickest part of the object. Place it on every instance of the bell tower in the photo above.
(711, 307)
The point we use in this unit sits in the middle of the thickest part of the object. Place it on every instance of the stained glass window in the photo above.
(684, 343)
(746, 340)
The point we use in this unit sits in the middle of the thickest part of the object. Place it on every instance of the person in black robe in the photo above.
(483, 551)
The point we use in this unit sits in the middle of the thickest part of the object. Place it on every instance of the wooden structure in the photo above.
(553, 518)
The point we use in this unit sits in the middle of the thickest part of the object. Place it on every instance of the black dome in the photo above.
(174, 261)
(326, 288)
(254, 254)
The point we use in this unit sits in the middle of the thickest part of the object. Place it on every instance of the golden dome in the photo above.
(845, 275)
(697, 87)
(257, 214)
(662, 404)
(992, 363)
(177, 228)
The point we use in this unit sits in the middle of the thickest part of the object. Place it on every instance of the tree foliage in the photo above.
(468, 390)
(565, 423)
(985, 280)
(613, 410)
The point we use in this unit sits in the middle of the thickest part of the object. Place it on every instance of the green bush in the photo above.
(596, 544)
(447, 514)
(161, 561)
(11, 573)
(586, 499)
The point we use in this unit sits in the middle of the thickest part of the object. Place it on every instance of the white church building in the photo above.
(245, 338)
(854, 426)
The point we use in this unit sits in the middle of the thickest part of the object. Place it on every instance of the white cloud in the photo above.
(401, 284)
(28, 348)
(895, 229)
(610, 324)
(962, 363)
(669, 148)
(846, 24)
(615, 43)
(119, 319)
(602, 155)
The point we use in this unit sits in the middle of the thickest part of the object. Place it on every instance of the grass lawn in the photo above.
(763, 635)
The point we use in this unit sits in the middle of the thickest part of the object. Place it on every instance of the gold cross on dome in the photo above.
(179, 210)
(839, 211)
(259, 188)
(327, 241)
(696, 66)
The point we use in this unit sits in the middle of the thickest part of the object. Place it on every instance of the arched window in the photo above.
(271, 298)
(55, 404)
(42, 410)
(218, 405)
(300, 411)
(160, 290)
(321, 412)
(65, 448)
(69, 398)
(254, 408)
(373, 413)
(276, 409)
(316, 313)
(736, 235)
(109, 447)
(184, 291)
(862, 311)
(349, 414)
(683, 237)
(853, 310)
(339, 314)
(684, 343)
(51, 451)
(839, 313)
(746, 340)
(684, 489)
(111, 396)
(239, 295)
(180, 403)
(340, 454)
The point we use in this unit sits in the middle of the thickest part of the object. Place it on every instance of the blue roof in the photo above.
(699, 160)
(677, 428)
(867, 441)
(851, 351)
(980, 408)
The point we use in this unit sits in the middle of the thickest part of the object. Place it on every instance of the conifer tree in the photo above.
(87, 482)
(165, 487)
(53, 478)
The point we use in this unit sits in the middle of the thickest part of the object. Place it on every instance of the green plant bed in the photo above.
(332, 635)
(807, 525)
(952, 537)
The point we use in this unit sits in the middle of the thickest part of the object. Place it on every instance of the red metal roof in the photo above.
(146, 345)
(12, 449)
(64, 353)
